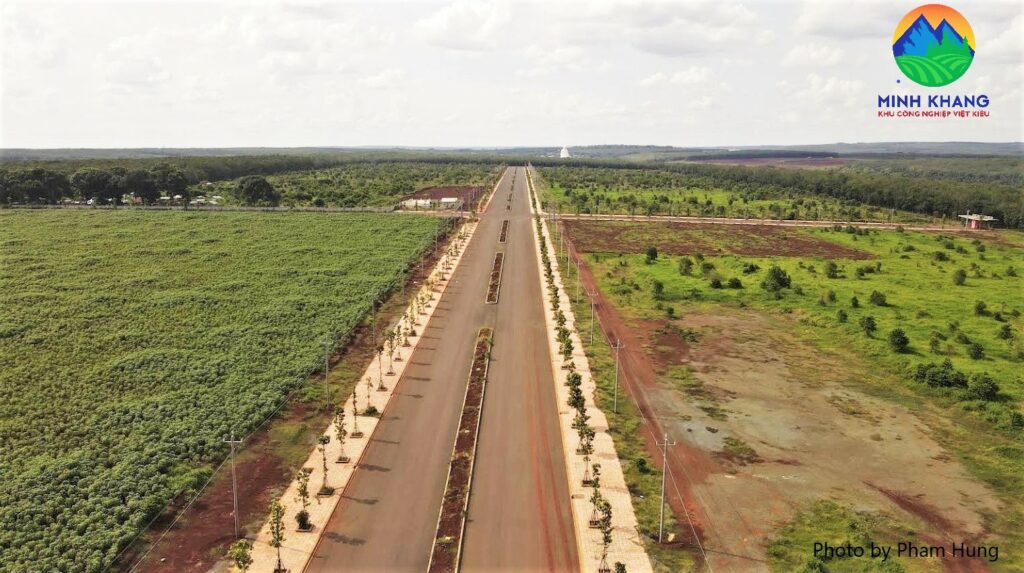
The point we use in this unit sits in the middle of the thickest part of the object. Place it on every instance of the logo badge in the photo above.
(933, 45)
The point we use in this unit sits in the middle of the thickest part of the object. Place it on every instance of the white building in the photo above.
(564, 154)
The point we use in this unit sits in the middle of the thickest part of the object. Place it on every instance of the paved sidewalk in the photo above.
(626, 546)
(298, 546)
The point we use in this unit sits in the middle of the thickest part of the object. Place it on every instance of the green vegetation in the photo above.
(132, 342)
(792, 549)
(901, 312)
(349, 184)
(769, 192)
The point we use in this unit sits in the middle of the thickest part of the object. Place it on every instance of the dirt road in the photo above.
(519, 512)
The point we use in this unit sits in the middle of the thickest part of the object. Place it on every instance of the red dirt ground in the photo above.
(675, 238)
(693, 463)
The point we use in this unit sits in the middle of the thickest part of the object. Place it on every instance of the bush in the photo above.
(652, 255)
(877, 298)
(959, 277)
(854, 302)
(980, 308)
(831, 270)
(898, 340)
(706, 268)
(841, 315)
(736, 283)
(982, 387)
(1005, 332)
(716, 282)
(302, 518)
(685, 266)
(868, 325)
(658, 289)
(940, 375)
(776, 280)
(750, 268)
(976, 351)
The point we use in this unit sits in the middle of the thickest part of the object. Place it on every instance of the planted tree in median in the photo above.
(606, 535)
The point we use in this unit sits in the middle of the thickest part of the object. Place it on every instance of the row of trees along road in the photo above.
(40, 185)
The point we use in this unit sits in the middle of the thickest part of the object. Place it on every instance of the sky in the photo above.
(227, 73)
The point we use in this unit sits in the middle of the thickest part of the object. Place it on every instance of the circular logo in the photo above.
(933, 45)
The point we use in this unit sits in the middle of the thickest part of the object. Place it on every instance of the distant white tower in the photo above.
(564, 154)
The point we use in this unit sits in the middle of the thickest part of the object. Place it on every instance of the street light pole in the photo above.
(234, 482)
(591, 295)
(327, 372)
(664, 472)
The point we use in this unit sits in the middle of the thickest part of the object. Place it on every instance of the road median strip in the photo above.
(495, 283)
(446, 553)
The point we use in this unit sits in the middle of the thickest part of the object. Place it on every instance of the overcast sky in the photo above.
(695, 73)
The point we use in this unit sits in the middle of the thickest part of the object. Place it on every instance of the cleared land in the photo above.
(795, 426)
(131, 343)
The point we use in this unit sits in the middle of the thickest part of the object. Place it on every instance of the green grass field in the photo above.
(937, 71)
(916, 274)
(132, 342)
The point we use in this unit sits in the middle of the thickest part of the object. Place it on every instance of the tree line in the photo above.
(920, 194)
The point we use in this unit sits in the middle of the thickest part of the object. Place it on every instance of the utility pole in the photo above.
(579, 265)
(615, 403)
(591, 294)
(664, 472)
(234, 482)
(327, 372)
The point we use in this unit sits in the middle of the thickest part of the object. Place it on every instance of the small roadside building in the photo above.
(977, 221)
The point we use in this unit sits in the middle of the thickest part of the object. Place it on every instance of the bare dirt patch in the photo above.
(676, 238)
(794, 431)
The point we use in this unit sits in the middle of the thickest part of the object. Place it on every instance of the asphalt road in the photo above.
(519, 516)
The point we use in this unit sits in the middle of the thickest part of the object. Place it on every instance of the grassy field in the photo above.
(924, 296)
(365, 184)
(132, 342)
(652, 192)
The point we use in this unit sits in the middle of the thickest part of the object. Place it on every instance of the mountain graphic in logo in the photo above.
(933, 45)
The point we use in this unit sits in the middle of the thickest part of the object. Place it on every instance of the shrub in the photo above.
(685, 266)
(1005, 332)
(980, 308)
(982, 387)
(734, 283)
(877, 298)
(652, 254)
(841, 315)
(776, 280)
(750, 268)
(940, 256)
(976, 351)
(658, 289)
(854, 302)
(898, 340)
(716, 282)
(831, 270)
(706, 268)
(868, 325)
(940, 375)
(959, 277)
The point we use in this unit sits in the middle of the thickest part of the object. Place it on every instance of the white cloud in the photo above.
(693, 76)
(813, 55)
(466, 25)
(863, 19)
(385, 79)
(1007, 46)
